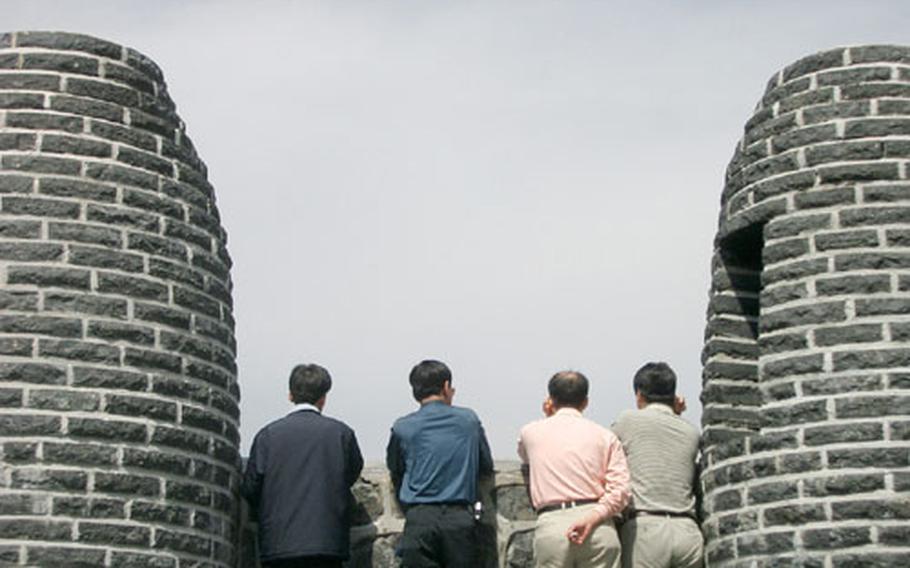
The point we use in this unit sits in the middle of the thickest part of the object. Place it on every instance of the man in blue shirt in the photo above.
(435, 456)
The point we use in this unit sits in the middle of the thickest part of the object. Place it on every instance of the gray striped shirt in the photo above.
(661, 449)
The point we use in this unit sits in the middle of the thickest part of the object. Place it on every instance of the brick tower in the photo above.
(118, 394)
(807, 354)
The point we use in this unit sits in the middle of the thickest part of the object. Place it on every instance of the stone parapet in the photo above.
(504, 535)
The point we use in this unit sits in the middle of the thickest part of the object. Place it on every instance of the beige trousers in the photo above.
(661, 542)
(552, 548)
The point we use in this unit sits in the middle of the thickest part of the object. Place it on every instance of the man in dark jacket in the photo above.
(298, 480)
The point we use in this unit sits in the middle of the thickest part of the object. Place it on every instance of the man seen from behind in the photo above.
(298, 480)
(435, 456)
(578, 480)
(661, 530)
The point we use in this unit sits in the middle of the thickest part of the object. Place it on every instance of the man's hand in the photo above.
(679, 405)
(580, 530)
(547, 407)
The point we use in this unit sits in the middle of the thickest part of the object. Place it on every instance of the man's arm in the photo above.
(395, 462)
(251, 485)
(486, 457)
(616, 493)
(353, 459)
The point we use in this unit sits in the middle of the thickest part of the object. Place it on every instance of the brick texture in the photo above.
(118, 394)
(807, 345)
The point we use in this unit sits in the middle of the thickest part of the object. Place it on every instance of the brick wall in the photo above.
(807, 354)
(118, 394)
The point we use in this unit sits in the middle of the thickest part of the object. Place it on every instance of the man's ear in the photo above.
(291, 396)
(584, 404)
(320, 404)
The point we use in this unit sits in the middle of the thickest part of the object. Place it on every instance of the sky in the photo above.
(514, 188)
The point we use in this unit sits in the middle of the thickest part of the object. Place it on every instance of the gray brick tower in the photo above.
(807, 355)
(118, 394)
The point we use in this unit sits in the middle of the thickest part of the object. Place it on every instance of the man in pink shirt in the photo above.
(578, 479)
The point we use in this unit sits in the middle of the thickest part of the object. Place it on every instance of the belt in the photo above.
(565, 505)
(668, 514)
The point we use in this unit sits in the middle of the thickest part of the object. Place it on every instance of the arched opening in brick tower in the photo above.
(731, 392)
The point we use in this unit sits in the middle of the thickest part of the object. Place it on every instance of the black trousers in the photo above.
(304, 562)
(439, 536)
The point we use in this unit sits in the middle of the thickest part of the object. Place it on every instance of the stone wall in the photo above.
(118, 393)
(505, 534)
(807, 355)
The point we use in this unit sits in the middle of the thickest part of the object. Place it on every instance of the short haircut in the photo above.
(427, 378)
(309, 383)
(656, 382)
(568, 388)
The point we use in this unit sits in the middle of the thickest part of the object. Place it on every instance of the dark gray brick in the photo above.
(68, 453)
(95, 377)
(36, 373)
(124, 135)
(873, 509)
(882, 306)
(160, 314)
(836, 538)
(45, 121)
(886, 193)
(49, 479)
(127, 483)
(20, 229)
(79, 350)
(38, 207)
(86, 107)
(114, 534)
(155, 245)
(116, 331)
(63, 401)
(868, 458)
(105, 258)
(122, 175)
(154, 460)
(860, 333)
(802, 315)
(142, 407)
(29, 529)
(843, 433)
(825, 197)
(102, 90)
(58, 144)
(153, 360)
(29, 82)
(41, 325)
(41, 164)
(23, 301)
(83, 233)
(872, 406)
(872, 261)
(122, 217)
(85, 304)
(846, 239)
(880, 358)
(49, 276)
(843, 485)
(107, 430)
(797, 270)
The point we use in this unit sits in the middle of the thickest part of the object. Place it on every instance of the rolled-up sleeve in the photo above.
(617, 486)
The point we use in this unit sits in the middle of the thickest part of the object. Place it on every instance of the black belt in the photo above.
(674, 514)
(565, 505)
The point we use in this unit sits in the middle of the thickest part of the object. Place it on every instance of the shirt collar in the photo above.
(659, 407)
(305, 406)
(568, 411)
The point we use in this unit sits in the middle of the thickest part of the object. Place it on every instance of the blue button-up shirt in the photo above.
(436, 454)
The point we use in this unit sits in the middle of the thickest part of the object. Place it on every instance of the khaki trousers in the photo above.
(552, 548)
(651, 541)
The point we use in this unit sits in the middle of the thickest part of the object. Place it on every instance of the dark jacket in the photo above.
(298, 482)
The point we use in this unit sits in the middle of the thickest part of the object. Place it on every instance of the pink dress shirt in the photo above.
(573, 458)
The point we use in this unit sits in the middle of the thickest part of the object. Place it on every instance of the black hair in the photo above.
(568, 388)
(309, 383)
(656, 382)
(427, 378)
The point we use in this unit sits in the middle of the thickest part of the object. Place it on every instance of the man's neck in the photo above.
(433, 398)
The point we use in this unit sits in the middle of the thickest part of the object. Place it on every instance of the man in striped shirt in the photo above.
(660, 530)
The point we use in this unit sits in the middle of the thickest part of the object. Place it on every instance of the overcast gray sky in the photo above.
(512, 187)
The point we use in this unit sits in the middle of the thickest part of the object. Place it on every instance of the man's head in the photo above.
(309, 384)
(568, 389)
(655, 382)
(431, 378)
